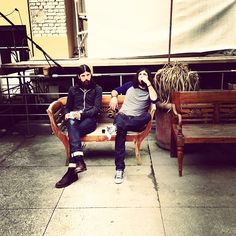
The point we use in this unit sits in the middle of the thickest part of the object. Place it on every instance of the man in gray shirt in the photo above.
(133, 115)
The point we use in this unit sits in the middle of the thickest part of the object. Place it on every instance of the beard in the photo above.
(85, 84)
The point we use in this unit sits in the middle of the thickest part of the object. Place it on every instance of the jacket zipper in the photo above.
(85, 92)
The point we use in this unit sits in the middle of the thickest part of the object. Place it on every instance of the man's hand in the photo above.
(146, 80)
(114, 103)
(77, 115)
(73, 115)
(151, 90)
(114, 100)
(67, 116)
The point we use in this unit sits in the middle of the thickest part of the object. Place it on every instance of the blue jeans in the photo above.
(76, 130)
(124, 124)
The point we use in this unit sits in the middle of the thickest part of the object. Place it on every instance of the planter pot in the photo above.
(163, 130)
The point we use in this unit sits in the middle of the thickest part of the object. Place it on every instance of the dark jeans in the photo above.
(127, 123)
(79, 128)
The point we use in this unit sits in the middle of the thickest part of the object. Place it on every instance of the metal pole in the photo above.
(222, 81)
(8, 90)
(170, 30)
(121, 81)
(30, 27)
(76, 26)
(26, 105)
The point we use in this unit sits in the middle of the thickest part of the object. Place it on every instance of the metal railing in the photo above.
(31, 103)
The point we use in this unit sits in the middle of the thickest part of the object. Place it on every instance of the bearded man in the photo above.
(83, 104)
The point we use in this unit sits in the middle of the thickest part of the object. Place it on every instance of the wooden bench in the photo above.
(202, 117)
(56, 113)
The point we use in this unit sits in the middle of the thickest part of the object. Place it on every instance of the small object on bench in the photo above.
(56, 113)
(109, 131)
(207, 116)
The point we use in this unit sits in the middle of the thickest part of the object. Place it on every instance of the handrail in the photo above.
(26, 105)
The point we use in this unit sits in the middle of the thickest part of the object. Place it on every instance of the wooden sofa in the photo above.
(202, 117)
(56, 113)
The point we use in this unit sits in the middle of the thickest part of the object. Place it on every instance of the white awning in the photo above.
(129, 28)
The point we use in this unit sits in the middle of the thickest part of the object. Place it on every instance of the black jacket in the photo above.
(87, 101)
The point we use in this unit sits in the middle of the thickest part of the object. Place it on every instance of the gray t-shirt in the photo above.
(136, 102)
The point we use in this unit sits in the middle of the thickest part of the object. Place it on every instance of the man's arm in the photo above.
(115, 92)
(152, 93)
(151, 90)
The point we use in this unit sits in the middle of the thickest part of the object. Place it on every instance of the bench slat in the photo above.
(205, 133)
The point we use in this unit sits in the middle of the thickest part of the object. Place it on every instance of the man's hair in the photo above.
(83, 68)
(136, 82)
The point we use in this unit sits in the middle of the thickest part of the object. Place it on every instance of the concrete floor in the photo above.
(152, 201)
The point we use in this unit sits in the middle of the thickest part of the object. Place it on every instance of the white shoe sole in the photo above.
(119, 181)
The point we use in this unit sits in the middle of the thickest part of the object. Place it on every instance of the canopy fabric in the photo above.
(130, 28)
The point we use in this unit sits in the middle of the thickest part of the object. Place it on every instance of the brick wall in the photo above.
(48, 17)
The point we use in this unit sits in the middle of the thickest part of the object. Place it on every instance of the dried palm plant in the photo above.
(174, 77)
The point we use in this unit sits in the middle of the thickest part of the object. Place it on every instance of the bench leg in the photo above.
(137, 152)
(67, 155)
(67, 148)
(180, 159)
(65, 140)
(173, 146)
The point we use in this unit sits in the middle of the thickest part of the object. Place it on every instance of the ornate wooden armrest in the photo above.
(52, 119)
(56, 116)
(176, 115)
(178, 118)
(152, 110)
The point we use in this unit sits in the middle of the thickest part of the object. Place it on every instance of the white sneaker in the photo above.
(119, 177)
(109, 131)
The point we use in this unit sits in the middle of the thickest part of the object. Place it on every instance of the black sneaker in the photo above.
(69, 178)
(80, 166)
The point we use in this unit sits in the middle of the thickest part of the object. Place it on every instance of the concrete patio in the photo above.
(152, 201)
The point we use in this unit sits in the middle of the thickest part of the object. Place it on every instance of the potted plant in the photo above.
(172, 77)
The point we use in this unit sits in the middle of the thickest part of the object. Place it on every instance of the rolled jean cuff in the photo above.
(77, 153)
(72, 165)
